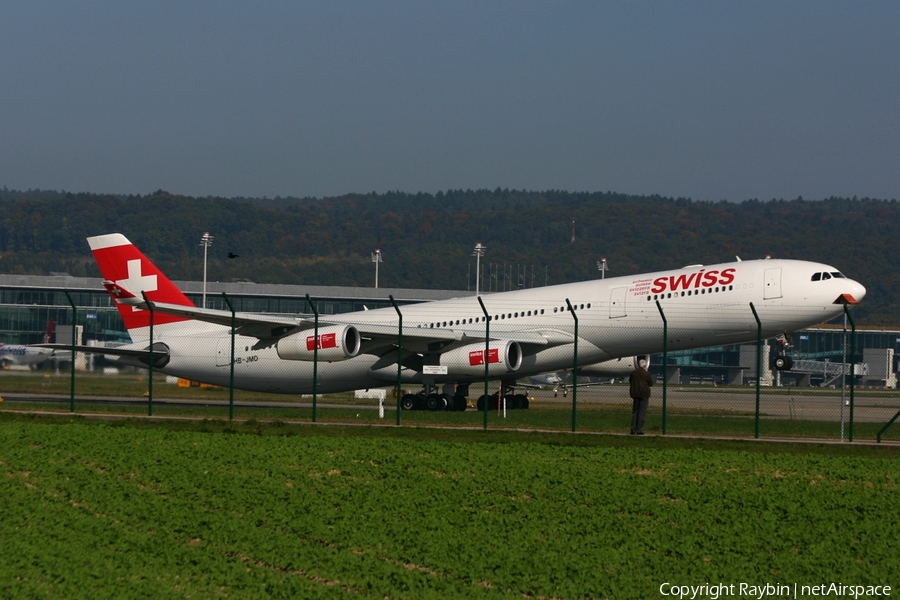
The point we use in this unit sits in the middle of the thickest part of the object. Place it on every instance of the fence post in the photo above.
(852, 365)
(665, 362)
(72, 381)
(315, 355)
(574, 368)
(886, 425)
(399, 357)
(150, 362)
(231, 373)
(758, 366)
(487, 353)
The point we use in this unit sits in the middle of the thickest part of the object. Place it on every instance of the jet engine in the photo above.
(503, 357)
(617, 367)
(337, 342)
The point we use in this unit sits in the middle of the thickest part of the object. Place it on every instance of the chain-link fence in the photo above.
(424, 366)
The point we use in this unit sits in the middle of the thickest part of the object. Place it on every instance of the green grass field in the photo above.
(143, 509)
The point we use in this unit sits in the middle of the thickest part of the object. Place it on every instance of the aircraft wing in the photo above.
(137, 356)
(262, 327)
(268, 329)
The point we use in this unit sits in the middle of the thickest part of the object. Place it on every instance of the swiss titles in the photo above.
(690, 281)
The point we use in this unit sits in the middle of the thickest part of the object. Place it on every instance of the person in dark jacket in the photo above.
(639, 381)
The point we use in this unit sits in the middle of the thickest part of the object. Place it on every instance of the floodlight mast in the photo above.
(376, 258)
(205, 241)
(478, 253)
(601, 266)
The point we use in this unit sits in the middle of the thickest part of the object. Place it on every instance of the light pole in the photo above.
(478, 253)
(206, 242)
(601, 266)
(376, 258)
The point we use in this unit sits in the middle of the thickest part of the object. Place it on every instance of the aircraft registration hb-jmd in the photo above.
(444, 343)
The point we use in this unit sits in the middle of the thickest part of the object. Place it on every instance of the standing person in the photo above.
(639, 381)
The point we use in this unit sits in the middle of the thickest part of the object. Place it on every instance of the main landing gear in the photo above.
(427, 399)
(513, 401)
(430, 399)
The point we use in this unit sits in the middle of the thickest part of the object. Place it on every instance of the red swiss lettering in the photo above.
(329, 340)
(681, 281)
(476, 357)
(685, 281)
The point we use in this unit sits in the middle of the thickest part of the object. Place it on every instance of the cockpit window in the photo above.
(816, 276)
(825, 276)
(837, 275)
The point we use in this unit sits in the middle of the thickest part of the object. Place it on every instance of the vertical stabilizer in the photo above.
(127, 273)
(48, 335)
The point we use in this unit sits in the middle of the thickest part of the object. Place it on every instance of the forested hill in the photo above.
(427, 239)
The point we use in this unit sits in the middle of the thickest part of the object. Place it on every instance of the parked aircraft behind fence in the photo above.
(444, 343)
(18, 355)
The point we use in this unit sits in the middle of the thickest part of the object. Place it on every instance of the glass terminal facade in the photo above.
(27, 303)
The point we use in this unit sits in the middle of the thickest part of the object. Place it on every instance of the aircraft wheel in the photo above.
(524, 401)
(408, 402)
(459, 403)
(512, 402)
(521, 401)
(446, 402)
(783, 363)
(434, 402)
(481, 400)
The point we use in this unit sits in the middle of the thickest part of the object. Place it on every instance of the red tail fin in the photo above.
(48, 335)
(128, 273)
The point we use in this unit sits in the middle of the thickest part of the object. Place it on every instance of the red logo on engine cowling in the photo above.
(685, 281)
(476, 357)
(328, 340)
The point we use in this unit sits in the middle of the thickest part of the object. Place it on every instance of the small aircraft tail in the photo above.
(128, 274)
(48, 335)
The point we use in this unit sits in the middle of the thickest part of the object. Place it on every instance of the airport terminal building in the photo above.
(28, 302)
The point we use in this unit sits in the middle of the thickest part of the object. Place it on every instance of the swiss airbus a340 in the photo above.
(531, 331)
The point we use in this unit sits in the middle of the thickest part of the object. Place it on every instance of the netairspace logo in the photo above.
(715, 591)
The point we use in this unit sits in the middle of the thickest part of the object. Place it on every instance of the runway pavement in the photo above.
(775, 403)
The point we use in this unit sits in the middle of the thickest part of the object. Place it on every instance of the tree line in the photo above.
(427, 239)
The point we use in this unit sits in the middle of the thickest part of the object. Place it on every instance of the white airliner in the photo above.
(532, 331)
(18, 355)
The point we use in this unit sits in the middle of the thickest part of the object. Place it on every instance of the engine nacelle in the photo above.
(503, 357)
(617, 367)
(337, 342)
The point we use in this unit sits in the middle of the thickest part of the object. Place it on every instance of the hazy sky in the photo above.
(709, 100)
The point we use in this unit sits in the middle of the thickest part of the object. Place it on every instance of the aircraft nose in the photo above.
(855, 292)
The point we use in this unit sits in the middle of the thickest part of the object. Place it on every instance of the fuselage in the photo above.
(23, 356)
(615, 317)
